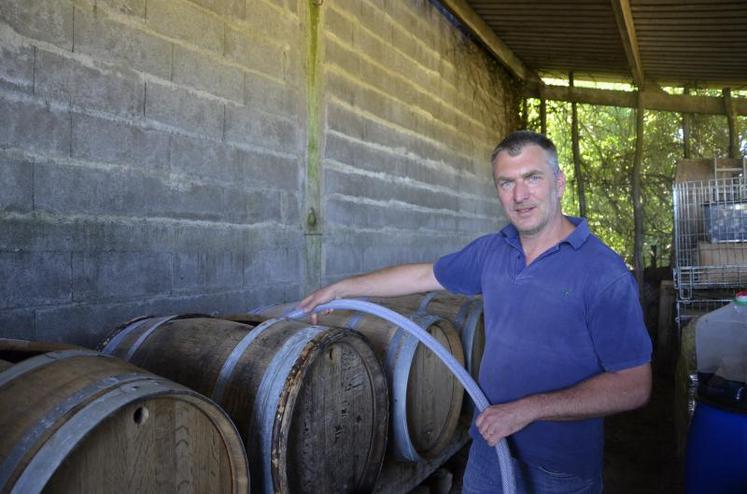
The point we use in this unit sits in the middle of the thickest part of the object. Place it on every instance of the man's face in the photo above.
(528, 189)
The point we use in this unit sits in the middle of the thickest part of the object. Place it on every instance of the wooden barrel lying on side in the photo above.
(310, 401)
(465, 313)
(426, 397)
(79, 421)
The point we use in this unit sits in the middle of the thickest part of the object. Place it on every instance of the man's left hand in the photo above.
(499, 421)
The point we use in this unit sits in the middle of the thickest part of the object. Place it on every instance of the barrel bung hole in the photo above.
(140, 415)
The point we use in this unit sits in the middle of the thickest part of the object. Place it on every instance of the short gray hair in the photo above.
(515, 142)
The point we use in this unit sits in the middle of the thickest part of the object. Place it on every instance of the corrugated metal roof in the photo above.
(695, 42)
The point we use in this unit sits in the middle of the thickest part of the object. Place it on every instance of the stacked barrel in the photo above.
(316, 407)
(75, 420)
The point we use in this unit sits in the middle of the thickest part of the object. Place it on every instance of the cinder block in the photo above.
(196, 201)
(343, 259)
(254, 53)
(291, 208)
(99, 276)
(265, 169)
(207, 74)
(356, 185)
(272, 266)
(34, 278)
(134, 8)
(345, 121)
(16, 62)
(185, 110)
(339, 25)
(16, 194)
(99, 139)
(94, 232)
(280, 98)
(262, 129)
(185, 21)
(254, 206)
(43, 20)
(118, 43)
(230, 8)
(265, 22)
(17, 324)
(67, 80)
(208, 270)
(205, 158)
(65, 189)
(34, 127)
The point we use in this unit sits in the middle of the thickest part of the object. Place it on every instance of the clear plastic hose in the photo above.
(474, 391)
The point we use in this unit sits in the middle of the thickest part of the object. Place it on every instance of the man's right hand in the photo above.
(319, 297)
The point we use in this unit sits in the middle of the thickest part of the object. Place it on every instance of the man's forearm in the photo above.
(605, 394)
(388, 282)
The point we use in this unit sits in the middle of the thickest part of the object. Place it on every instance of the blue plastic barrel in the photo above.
(716, 457)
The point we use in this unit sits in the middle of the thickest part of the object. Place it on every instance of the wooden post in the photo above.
(577, 155)
(686, 122)
(543, 113)
(732, 119)
(524, 113)
(637, 204)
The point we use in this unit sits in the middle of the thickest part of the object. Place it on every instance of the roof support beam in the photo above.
(625, 25)
(474, 23)
(652, 99)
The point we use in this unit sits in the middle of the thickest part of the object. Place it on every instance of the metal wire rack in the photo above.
(701, 303)
(710, 227)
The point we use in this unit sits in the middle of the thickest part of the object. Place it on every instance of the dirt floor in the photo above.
(639, 454)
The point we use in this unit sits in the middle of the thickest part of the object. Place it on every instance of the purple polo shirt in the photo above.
(571, 314)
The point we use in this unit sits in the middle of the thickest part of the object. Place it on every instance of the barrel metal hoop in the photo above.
(119, 337)
(141, 339)
(423, 307)
(233, 358)
(462, 314)
(268, 397)
(468, 333)
(49, 457)
(399, 358)
(42, 360)
(354, 320)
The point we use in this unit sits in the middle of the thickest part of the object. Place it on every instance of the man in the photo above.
(565, 339)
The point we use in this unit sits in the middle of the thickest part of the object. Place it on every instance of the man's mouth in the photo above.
(524, 211)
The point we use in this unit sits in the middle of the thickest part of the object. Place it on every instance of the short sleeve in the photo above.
(461, 272)
(620, 338)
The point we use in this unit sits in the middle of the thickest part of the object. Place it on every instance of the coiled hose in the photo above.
(474, 391)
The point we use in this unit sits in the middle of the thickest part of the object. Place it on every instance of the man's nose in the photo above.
(521, 191)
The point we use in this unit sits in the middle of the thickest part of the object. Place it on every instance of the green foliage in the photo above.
(607, 144)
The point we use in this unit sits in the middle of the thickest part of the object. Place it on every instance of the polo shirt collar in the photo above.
(576, 239)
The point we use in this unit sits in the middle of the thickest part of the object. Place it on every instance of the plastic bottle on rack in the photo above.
(717, 440)
(721, 353)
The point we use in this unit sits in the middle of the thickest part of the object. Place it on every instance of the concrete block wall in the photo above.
(151, 157)
(413, 110)
(153, 153)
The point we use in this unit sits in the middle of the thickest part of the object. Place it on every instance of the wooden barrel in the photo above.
(79, 421)
(310, 401)
(426, 397)
(465, 313)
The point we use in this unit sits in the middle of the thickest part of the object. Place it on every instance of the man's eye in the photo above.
(505, 185)
(533, 179)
